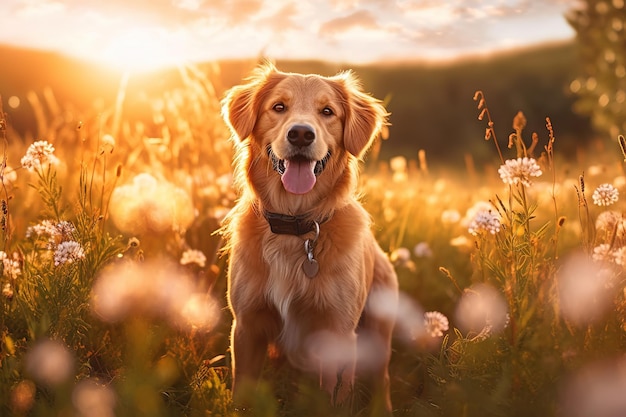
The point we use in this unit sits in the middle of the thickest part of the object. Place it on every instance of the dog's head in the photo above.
(303, 124)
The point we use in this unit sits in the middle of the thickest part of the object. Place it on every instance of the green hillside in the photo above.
(431, 104)
(432, 108)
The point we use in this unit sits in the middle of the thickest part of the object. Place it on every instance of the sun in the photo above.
(140, 50)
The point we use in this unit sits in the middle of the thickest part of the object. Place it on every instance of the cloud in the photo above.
(283, 19)
(363, 19)
(42, 8)
(333, 29)
(239, 12)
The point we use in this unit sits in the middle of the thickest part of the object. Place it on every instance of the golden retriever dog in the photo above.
(306, 277)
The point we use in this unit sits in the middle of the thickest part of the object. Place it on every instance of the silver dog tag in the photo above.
(310, 267)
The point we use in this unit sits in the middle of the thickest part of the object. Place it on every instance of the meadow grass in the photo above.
(113, 291)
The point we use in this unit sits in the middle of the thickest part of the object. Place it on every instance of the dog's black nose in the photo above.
(301, 135)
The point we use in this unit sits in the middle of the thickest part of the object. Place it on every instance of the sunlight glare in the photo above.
(140, 50)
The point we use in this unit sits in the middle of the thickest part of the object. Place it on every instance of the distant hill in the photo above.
(431, 104)
(432, 107)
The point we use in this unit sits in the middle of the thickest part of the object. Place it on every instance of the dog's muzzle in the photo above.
(279, 164)
(298, 173)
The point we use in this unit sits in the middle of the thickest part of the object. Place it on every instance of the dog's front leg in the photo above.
(337, 363)
(248, 349)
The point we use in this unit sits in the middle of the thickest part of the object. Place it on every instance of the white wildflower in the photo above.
(422, 250)
(602, 252)
(461, 242)
(515, 171)
(38, 154)
(107, 143)
(53, 231)
(435, 323)
(9, 176)
(619, 256)
(193, 256)
(401, 255)
(450, 216)
(44, 228)
(471, 212)
(7, 290)
(611, 222)
(484, 222)
(65, 229)
(68, 252)
(11, 265)
(605, 195)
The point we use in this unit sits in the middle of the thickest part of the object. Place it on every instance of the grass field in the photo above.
(113, 291)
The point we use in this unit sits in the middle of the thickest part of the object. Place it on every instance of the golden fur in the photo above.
(315, 322)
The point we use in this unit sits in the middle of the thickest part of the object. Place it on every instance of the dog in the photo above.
(306, 276)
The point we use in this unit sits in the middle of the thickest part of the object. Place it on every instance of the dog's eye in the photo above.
(279, 107)
(327, 111)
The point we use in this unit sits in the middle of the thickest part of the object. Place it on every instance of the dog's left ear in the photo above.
(365, 115)
(240, 106)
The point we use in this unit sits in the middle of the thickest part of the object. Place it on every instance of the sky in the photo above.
(153, 32)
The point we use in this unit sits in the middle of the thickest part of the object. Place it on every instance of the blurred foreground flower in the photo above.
(482, 306)
(159, 289)
(92, 399)
(515, 171)
(583, 291)
(148, 205)
(23, 396)
(605, 195)
(596, 390)
(50, 363)
(38, 154)
(435, 323)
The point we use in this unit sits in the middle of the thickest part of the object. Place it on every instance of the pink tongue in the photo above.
(299, 177)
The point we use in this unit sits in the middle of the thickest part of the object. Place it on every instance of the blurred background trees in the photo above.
(601, 41)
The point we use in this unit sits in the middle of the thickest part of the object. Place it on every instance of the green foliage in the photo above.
(601, 40)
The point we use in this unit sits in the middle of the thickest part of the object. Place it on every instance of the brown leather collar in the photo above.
(285, 224)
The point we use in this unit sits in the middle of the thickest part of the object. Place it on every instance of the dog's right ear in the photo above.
(240, 106)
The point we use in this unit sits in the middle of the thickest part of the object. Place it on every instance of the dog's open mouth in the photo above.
(298, 174)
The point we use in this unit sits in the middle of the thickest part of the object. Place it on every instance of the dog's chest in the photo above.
(338, 284)
(287, 279)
